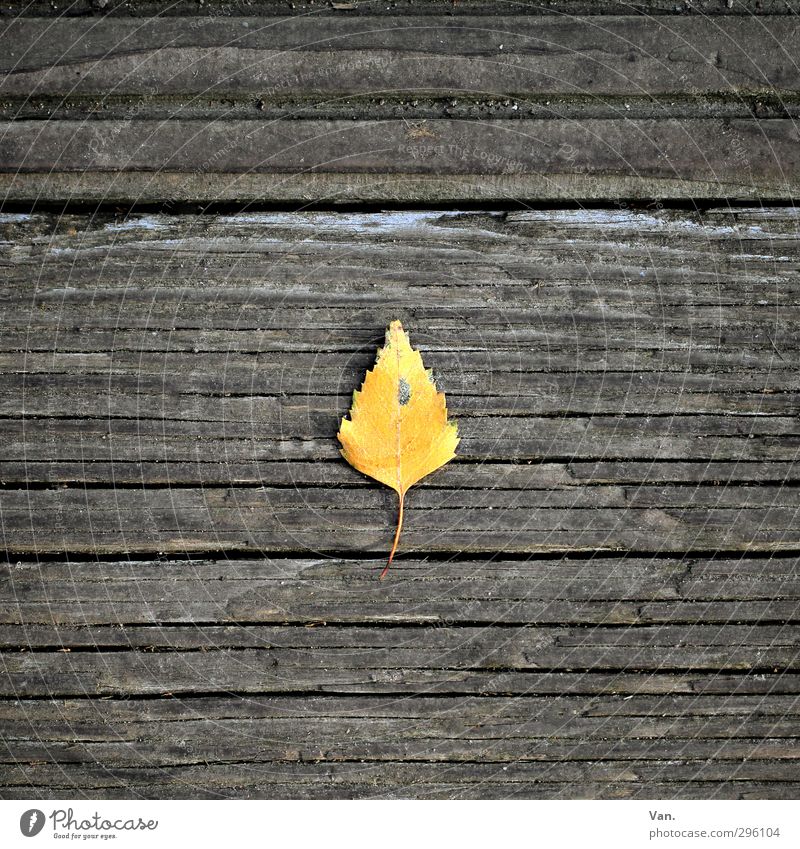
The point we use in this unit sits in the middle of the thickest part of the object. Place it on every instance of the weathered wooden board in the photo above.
(642, 439)
(51, 599)
(735, 158)
(306, 8)
(263, 729)
(486, 439)
(617, 734)
(593, 779)
(435, 660)
(247, 783)
(464, 476)
(629, 56)
(111, 521)
(599, 598)
(434, 104)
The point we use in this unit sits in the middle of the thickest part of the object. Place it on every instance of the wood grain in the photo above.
(599, 599)
(460, 56)
(731, 158)
(256, 399)
(304, 8)
(53, 598)
(439, 105)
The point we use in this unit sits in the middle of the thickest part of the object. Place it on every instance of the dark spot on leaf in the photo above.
(403, 392)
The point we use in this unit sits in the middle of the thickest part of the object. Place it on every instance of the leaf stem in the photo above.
(396, 535)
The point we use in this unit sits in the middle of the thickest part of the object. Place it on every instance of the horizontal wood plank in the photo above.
(293, 733)
(429, 103)
(497, 475)
(685, 393)
(190, 520)
(51, 598)
(169, 189)
(304, 8)
(441, 56)
(238, 783)
(622, 379)
(711, 158)
(396, 660)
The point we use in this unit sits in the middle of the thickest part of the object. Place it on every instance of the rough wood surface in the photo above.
(270, 57)
(53, 598)
(600, 598)
(434, 104)
(737, 158)
(306, 8)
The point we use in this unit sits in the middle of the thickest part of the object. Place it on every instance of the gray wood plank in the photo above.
(169, 188)
(508, 439)
(497, 475)
(117, 521)
(592, 744)
(381, 782)
(99, 720)
(253, 395)
(640, 280)
(427, 732)
(396, 660)
(594, 677)
(715, 304)
(223, 409)
(525, 647)
(511, 57)
(315, 158)
(398, 776)
(304, 8)
(50, 598)
(693, 150)
(408, 682)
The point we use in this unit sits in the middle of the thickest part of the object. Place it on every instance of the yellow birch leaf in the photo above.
(398, 430)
